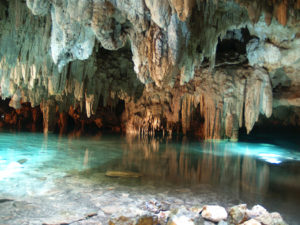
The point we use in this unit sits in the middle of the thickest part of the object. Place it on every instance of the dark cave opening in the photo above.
(107, 118)
(26, 118)
(197, 123)
(232, 46)
(120, 107)
(272, 131)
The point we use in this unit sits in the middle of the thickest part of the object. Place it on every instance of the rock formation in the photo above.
(205, 67)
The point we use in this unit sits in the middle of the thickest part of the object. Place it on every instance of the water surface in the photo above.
(34, 166)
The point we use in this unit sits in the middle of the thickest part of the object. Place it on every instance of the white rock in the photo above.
(274, 31)
(251, 222)
(214, 213)
(260, 53)
(277, 219)
(182, 216)
(256, 211)
(260, 214)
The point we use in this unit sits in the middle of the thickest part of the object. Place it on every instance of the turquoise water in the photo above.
(31, 163)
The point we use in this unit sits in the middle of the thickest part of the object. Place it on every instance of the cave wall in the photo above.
(196, 67)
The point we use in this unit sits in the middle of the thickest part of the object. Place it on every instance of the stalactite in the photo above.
(60, 55)
(186, 112)
(48, 109)
(281, 13)
(221, 98)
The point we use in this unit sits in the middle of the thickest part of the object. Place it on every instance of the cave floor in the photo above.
(62, 179)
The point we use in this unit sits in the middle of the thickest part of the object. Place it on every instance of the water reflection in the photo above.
(201, 163)
(240, 167)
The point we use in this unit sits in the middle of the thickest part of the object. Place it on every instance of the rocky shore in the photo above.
(207, 215)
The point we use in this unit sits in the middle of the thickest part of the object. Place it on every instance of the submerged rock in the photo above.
(143, 220)
(22, 161)
(3, 200)
(182, 216)
(110, 173)
(156, 207)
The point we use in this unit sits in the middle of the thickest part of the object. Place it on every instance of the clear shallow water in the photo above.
(227, 173)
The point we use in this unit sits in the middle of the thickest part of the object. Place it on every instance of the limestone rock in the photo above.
(237, 214)
(143, 220)
(277, 219)
(177, 220)
(15, 100)
(256, 211)
(261, 215)
(48, 108)
(182, 216)
(214, 213)
(251, 222)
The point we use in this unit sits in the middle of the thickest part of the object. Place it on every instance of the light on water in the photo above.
(9, 170)
(266, 152)
(39, 169)
(271, 158)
